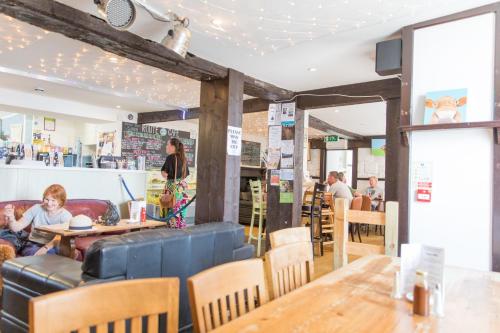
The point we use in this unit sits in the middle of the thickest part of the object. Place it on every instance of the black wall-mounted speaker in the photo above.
(389, 57)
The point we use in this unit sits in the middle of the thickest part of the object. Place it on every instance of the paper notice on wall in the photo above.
(421, 257)
(286, 174)
(287, 148)
(16, 133)
(273, 158)
(275, 136)
(286, 191)
(274, 114)
(234, 141)
(422, 172)
(288, 114)
(275, 177)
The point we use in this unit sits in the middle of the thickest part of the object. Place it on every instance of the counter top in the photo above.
(31, 167)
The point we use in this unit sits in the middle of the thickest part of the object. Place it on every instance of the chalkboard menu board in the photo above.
(151, 142)
(250, 153)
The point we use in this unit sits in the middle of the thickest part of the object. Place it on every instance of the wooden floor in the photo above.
(324, 264)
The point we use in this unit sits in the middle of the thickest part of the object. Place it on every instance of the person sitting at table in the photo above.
(374, 192)
(343, 179)
(338, 189)
(49, 212)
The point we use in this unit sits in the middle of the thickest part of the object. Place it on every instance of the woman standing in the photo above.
(175, 171)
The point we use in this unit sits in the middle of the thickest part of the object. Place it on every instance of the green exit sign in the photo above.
(332, 138)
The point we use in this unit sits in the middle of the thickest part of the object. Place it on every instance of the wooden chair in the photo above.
(226, 292)
(289, 236)
(357, 204)
(342, 246)
(289, 267)
(79, 309)
(259, 210)
(327, 219)
(312, 211)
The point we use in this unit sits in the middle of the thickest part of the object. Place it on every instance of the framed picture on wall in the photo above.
(49, 124)
(445, 107)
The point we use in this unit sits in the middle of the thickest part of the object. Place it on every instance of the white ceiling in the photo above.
(363, 119)
(276, 41)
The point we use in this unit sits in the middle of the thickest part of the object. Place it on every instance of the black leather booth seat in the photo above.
(145, 254)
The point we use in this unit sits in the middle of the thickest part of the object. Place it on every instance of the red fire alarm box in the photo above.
(423, 195)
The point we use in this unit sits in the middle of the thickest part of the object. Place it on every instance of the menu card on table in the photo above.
(421, 257)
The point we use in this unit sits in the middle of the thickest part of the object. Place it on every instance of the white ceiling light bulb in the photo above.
(312, 69)
(120, 14)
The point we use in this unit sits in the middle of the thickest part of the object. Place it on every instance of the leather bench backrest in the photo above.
(90, 207)
(164, 253)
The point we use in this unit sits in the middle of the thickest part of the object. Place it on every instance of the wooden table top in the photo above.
(123, 225)
(356, 298)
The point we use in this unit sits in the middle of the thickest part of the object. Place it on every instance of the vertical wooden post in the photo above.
(340, 235)
(391, 228)
(397, 169)
(218, 174)
(280, 216)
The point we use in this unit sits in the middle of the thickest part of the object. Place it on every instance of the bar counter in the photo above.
(26, 182)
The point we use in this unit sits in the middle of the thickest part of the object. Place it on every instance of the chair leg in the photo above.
(351, 231)
(320, 223)
(250, 232)
(367, 230)
(259, 236)
(359, 233)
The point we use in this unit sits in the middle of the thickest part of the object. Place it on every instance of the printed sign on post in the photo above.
(234, 141)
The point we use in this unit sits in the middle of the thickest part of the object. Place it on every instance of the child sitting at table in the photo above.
(49, 212)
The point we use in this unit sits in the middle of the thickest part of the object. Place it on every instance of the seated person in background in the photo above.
(338, 188)
(50, 212)
(374, 192)
(343, 179)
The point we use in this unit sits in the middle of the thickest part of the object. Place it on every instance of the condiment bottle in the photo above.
(421, 295)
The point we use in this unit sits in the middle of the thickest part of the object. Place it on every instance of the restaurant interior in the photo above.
(231, 166)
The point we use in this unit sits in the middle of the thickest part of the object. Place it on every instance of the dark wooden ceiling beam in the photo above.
(323, 126)
(73, 23)
(387, 89)
(249, 106)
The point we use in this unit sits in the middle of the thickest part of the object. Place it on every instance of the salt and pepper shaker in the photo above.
(396, 286)
(438, 306)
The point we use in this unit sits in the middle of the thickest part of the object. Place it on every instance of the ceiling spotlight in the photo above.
(120, 14)
(38, 89)
(178, 37)
(312, 69)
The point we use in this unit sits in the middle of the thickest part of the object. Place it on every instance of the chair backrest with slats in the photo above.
(289, 267)
(256, 188)
(343, 216)
(79, 309)
(226, 292)
(289, 236)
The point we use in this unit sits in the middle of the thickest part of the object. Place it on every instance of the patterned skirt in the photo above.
(179, 189)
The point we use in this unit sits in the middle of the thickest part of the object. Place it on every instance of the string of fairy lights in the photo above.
(267, 29)
(27, 48)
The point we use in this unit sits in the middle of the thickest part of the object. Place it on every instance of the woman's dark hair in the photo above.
(179, 152)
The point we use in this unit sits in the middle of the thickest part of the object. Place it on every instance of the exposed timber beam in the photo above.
(249, 106)
(387, 89)
(323, 126)
(73, 23)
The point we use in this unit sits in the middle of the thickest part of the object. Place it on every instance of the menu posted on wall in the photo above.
(250, 153)
(151, 142)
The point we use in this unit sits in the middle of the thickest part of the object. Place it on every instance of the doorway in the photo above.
(341, 161)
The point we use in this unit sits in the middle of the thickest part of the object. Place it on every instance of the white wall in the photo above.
(450, 56)
(370, 165)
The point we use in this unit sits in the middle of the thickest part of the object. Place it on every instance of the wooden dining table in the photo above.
(356, 298)
(67, 244)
